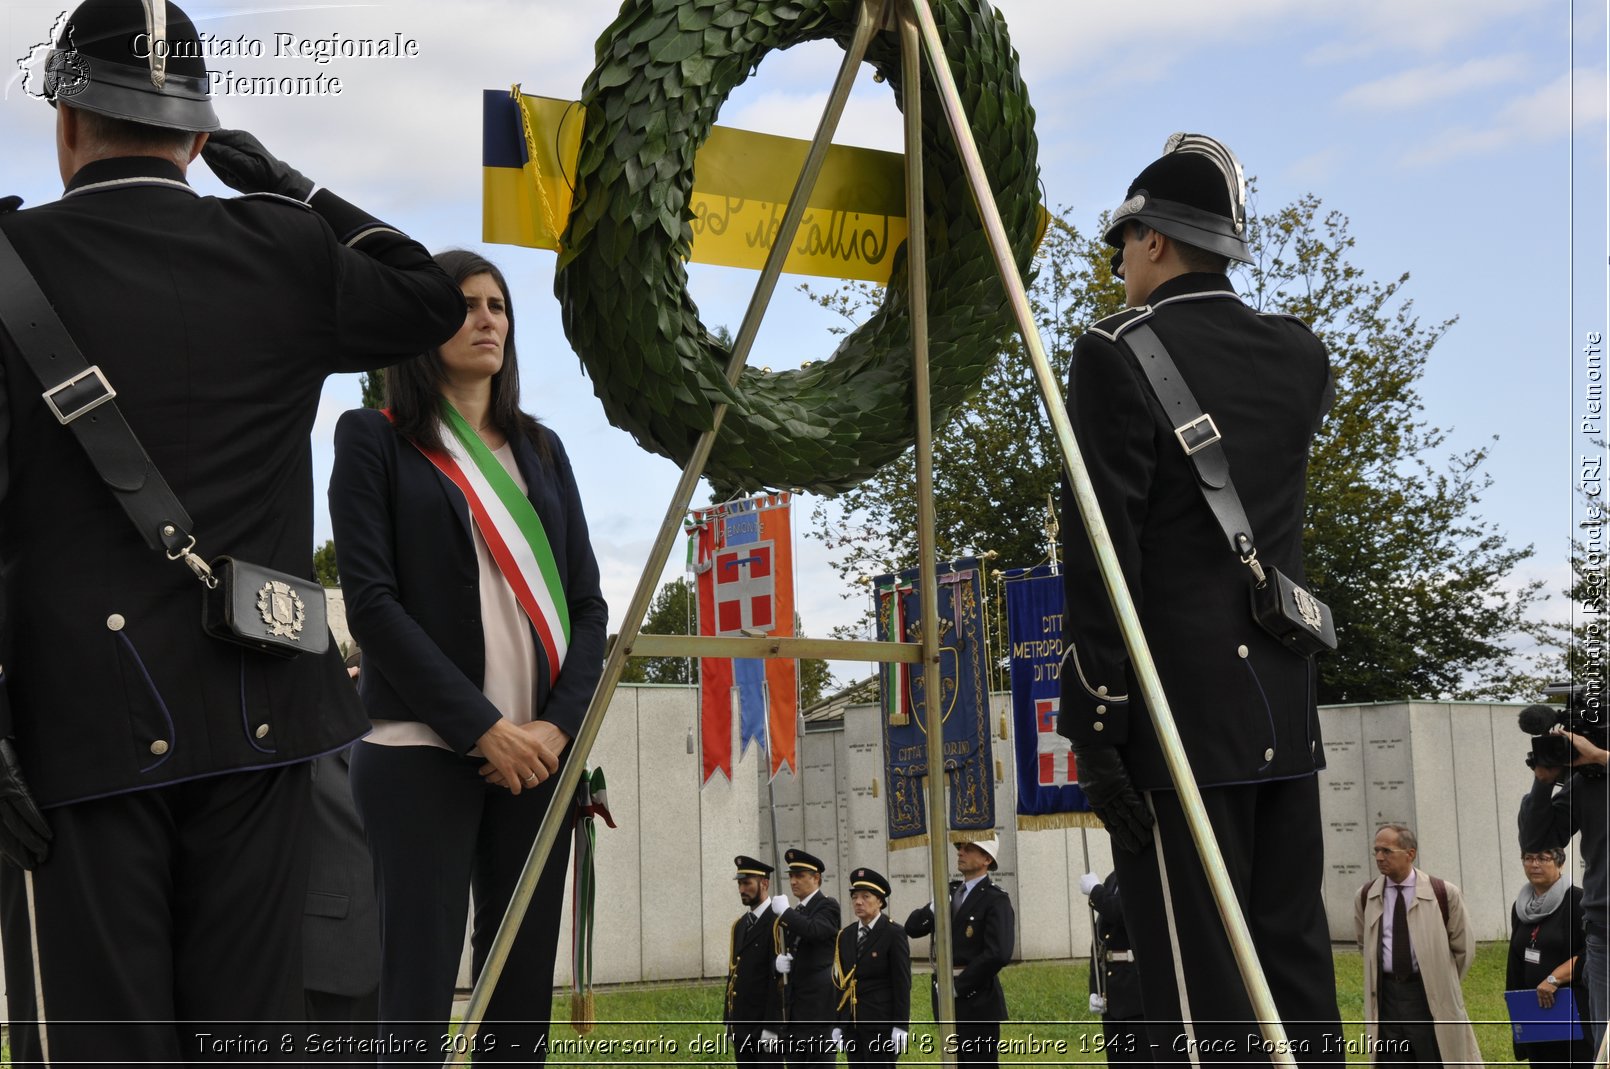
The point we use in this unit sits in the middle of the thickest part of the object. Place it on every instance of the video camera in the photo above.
(1581, 714)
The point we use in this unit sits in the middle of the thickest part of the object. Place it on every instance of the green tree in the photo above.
(1419, 582)
(672, 612)
(324, 564)
(1421, 585)
(373, 384)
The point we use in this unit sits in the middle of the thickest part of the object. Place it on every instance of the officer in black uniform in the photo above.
(154, 784)
(1114, 977)
(982, 928)
(1244, 703)
(872, 977)
(805, 960)
(754, 1004)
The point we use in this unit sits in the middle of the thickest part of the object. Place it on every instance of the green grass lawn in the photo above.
(679, 1024)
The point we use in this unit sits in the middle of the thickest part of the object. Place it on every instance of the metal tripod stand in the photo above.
(914, 22)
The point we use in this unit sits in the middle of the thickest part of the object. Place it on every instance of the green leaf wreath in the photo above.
(664, 68)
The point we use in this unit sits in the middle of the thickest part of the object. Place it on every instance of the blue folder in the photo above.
(1534, 1024)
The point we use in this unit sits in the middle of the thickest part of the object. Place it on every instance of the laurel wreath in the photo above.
(664, 69)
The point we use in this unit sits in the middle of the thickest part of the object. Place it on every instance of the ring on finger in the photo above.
(531, 779)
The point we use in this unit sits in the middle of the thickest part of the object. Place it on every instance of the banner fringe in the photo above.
(909, 843)
(583, 1013)
(1055, 821)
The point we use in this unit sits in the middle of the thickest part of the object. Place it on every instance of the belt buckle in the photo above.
(1198, 434)
(79, 406)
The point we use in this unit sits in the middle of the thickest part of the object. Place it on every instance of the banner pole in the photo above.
(1151, 687)
(670, 527)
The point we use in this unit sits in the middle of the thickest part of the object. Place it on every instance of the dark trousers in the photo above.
(1407, 1032)
(809, 1042)
(1124, 1040)
(1269, 835)
(171, 918)
(436, 828)
(977, 1042)
(870, 1045)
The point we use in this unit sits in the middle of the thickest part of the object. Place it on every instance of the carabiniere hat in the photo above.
(139, 60)
(869, 880)
(800, 861)
(1194, 193)
(748, 866)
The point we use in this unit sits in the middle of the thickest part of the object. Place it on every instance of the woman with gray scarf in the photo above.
(1545, 939)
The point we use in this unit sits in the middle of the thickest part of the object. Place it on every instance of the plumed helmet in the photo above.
(1194, 193)
(139, 60)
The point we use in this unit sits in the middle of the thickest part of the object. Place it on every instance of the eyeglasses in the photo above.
(1536, 858)
(1383, 851)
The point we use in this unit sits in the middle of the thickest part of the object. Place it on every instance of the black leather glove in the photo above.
(242, 163)
(24, 835)
(1105, 781)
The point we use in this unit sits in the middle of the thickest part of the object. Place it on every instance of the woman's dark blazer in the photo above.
(409, 575)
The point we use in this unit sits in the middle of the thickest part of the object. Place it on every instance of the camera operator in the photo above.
(1548, 818)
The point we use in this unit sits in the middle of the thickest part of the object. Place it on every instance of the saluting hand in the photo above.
(242, 163)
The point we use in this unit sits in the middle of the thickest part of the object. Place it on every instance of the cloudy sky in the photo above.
(1466, 139)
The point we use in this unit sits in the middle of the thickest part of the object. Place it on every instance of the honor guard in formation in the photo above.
(754, 1006)
(872, 977)
(162, 359)
(1162, 450)
(1114, 979)
(805, 961)
(981, 940)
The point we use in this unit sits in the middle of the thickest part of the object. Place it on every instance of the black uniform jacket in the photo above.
(754, 996)
(982, 937)
(873, 982)
(808, 933)
(1120, 979)
(406, 552)
(216, 321)
(1245, 705)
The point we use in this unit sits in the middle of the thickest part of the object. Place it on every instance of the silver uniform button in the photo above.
(1100, 725)
(1100, 709)
(1269, 754)
(115, 622)
(262, 729)
(1101, 691)
(1241, 651)
(159, 747)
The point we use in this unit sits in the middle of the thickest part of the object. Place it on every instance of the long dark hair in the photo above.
(414, 387)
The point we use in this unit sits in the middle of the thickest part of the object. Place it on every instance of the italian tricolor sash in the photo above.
(512, 529)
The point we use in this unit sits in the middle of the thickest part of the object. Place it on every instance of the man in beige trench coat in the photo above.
(1414, 1008)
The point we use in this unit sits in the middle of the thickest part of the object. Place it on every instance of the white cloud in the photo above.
(1419, 86)
(1570, 102)
(1368, 27)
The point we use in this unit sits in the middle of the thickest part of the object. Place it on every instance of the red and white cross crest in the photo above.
(1056, 753)
(744, 586)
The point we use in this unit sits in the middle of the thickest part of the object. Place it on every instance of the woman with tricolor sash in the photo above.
(471, 586)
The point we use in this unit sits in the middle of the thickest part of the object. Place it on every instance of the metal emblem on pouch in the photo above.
(283, 610)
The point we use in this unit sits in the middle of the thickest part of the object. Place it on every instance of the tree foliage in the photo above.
(1423, 588)
(324, 564)
(373, 384)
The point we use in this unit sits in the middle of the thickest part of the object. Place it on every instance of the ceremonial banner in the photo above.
(741, 184)
(963, 705)
(1048, 794)
(742, 556)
